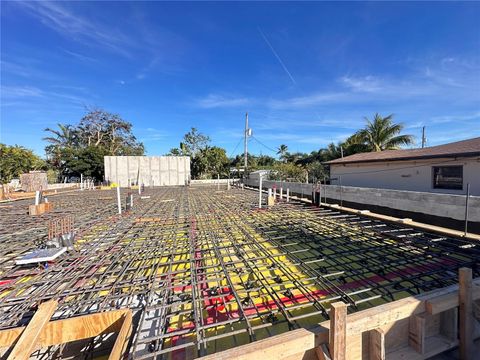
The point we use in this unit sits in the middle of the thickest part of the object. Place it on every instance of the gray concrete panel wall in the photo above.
(150, 170)
(406, 175)
(444, 205)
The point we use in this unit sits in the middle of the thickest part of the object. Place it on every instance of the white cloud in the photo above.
(216, 101)
(309, 100)
(20, 93)
(14, 92)
(362, 84)
(151, 134)
(455, 118)
(71, 25)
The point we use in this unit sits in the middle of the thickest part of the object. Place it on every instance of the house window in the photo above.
(448, 177)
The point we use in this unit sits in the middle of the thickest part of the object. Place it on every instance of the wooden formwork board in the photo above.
(42, 333)
(382, 332)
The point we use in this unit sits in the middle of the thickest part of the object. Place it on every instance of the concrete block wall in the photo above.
(441, 205)
(150, 170)
(211, 181)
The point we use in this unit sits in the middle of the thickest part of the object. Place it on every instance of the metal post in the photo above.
(325, 190)
(341, 193)
(37, 197)
(288, 194)
(218, 181)
(320, 194)
(260, 192)
(81, 181)
(245, 155)
(466, 210)
(281, 193)
(119, 202)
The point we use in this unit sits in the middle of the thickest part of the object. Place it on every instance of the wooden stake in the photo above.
(338, 330)
(465, 314)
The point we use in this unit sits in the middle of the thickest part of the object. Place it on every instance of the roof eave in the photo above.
(467, 154)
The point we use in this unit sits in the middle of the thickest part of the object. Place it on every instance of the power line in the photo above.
(239, 141)
(267, 147)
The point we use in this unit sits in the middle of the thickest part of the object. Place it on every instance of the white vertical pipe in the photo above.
(260, 193)
(281, 193)
(119, 202)
(275, 192)
(288, 194)
(81, 181)
(37, 197)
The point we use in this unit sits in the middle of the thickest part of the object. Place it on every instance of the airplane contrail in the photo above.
(277, 56)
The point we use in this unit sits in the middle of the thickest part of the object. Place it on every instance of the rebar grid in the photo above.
(205, 270)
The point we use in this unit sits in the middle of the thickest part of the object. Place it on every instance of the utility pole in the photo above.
(245, 143)
(424, 140)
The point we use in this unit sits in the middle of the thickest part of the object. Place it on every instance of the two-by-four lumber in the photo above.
(121, 344)
(322, 352)
(416, 333)
(338, 330)
(448, 301)
(465, 313)
(377, 344)
(28, 340)
(449, 324)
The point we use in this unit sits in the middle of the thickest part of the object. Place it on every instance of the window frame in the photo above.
(439, 187)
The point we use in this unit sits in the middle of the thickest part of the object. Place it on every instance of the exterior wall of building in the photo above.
(405, 175)
(150, 170)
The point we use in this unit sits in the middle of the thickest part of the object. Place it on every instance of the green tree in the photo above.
(381, 134)
(282, 151)
(193, 142)
(65, 136)
(288, 172)
(16, 160)
(210, 162)
(79, 149)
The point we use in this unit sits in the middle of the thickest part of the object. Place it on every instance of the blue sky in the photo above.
(307, 73)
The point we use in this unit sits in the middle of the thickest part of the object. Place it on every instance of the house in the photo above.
(444, 168)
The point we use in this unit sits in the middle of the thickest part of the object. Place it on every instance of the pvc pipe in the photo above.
(260, 193)
(119, 202)
(288, 194)
(466, 209)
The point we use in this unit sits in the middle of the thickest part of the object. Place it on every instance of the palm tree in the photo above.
(282, 151)
(382, 134)
(64, 137)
